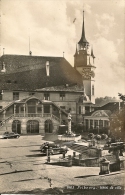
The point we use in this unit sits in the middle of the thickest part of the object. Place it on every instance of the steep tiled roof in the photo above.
(29, 72)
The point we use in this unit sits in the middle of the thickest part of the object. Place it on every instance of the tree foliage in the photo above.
(104, 100)
(117, 122)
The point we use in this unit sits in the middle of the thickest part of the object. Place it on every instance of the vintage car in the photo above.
(118, 145)
(52, 148)
(10, 135)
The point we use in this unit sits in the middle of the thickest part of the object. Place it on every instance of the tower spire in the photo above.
(76, 53)
(83, 40)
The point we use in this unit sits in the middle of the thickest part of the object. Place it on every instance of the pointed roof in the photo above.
(83, 39)
(92, 53)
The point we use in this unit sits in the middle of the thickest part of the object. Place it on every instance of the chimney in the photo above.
(47, 68)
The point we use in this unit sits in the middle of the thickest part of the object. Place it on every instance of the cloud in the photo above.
(52, 31)
(121, 3)
(48, 33)
(104, 23)
(109, 73)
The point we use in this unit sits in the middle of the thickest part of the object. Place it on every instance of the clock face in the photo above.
(87, 73)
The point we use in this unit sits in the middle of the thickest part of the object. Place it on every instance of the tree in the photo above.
(122, 97)
(104, 100)
(117, 121)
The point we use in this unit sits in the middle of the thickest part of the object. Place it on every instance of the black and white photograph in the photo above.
(62, 97)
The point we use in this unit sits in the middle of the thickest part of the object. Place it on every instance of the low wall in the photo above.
(114, 166)
(89, 162)
(117, 165)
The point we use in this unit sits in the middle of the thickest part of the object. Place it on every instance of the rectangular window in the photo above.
(17, 109)
(15, 95)
(79, 109)
(86, 124)
(100, 124)
(46, 108)
(92, 89)
(91, 124)
(22, 109)
(62, 96)
(46, 96)
(87, 109)
(39, 109)
(95, 123)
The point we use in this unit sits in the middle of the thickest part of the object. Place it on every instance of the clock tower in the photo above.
(84, 64)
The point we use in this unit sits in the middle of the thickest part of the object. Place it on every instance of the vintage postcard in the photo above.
(62, 97)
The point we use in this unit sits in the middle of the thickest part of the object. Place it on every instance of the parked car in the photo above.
(53, 148)
(118, 145)
(10, 135)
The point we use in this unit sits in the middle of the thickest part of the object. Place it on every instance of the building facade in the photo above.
(38, 92)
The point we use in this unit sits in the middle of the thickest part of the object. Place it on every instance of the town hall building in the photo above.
(38, 92)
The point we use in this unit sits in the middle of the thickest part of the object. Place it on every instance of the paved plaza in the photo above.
(23, 169)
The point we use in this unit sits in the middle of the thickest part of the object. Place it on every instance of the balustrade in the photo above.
(29, 115)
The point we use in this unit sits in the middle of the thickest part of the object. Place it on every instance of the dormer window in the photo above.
(62, 96)
(15, 95)
(46, 96)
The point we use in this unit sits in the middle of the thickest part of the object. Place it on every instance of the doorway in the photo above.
(16, 126)
(32, 126)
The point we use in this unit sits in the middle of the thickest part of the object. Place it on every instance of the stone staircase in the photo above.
(79, 148)
(5, 121)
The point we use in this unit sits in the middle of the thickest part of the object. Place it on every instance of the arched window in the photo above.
(32, 126)
(48, 126)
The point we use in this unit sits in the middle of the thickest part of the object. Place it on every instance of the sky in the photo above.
(49, 26)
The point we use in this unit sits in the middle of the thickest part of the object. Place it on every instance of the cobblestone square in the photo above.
(23, 168)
